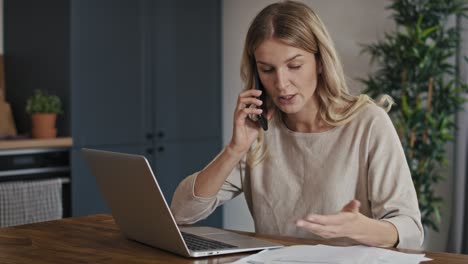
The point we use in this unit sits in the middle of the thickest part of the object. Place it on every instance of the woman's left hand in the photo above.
(347, 223)
(352, 224)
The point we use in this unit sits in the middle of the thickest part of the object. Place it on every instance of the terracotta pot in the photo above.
(43, 125)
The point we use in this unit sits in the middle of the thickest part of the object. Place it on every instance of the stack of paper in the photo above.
(322, 254)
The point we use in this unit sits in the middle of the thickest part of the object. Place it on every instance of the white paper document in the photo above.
(321, 254)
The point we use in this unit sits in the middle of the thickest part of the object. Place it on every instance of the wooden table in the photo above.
(97, 239)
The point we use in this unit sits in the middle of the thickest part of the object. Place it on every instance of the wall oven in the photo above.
(38, 164)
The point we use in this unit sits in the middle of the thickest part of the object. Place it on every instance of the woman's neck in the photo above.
(314, 125)
(306, 121)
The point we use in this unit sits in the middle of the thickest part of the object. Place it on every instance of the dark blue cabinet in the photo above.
(141, 76)
(187, 41)
(107, 56)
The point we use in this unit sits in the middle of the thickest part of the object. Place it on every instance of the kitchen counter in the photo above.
(36, 143)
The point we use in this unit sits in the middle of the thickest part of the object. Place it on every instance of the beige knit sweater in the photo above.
(319, 173)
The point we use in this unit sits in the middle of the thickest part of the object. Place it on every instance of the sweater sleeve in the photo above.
(188, 208)
(391, 191)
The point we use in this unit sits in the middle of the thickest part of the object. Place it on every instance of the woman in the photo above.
(330, 165)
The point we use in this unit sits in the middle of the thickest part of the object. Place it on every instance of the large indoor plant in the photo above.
(43, 109)
(417, 66)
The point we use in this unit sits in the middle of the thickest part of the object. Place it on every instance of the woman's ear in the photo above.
(318, 63)
(319, 67)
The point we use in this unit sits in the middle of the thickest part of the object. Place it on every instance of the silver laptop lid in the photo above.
(134, 202)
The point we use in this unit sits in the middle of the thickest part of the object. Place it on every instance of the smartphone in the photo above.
(258, 85)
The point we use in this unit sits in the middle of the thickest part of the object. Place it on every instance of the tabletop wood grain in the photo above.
(97, 239)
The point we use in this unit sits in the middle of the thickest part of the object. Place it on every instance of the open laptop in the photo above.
(140, 210)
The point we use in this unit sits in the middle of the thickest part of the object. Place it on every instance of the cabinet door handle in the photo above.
(161, 134)
(160, 149)
(149, 136)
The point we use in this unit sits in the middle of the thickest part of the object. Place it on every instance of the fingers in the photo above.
(242, 114)
(326, 226)
(250, 97)
(247, 98)
(250, 93)
(249, 111)
(346, 214)
(244, 101)
(335, 219)
(325, 231)
(352, 206)
(247, 101)
(335, 225)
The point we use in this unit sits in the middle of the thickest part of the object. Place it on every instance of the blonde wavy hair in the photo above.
(297, 25)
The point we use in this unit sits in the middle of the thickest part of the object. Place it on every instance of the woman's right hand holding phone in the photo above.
(245, 130)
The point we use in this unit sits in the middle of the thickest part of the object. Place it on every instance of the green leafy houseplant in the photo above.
(41, 102)
(416, 67)
(43, 109)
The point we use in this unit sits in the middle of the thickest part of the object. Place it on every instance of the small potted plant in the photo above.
(43, 109)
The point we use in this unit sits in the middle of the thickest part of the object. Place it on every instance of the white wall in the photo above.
(350, 23)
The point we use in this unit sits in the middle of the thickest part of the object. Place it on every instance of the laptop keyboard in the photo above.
(197, 243)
